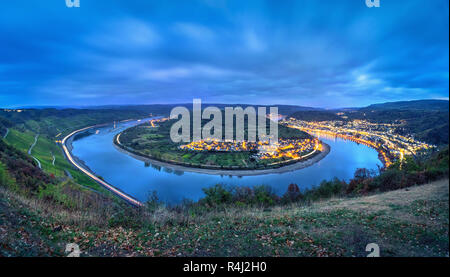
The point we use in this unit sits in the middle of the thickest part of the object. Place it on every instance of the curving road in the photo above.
(31, 148)
(6, 134)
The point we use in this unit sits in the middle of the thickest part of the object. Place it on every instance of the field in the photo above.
(52, 125)
(45, 150)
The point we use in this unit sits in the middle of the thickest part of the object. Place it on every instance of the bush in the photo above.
(326, 189)
(433, 174)
(414, 178)
(364, 181)
(388, 180)
(217, 195)
(153, 201)
(221, 195)
(243, 195)
(292, 194)
(2, 175)
(265, 196)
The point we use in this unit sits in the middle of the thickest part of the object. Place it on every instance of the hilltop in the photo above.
(429, 104)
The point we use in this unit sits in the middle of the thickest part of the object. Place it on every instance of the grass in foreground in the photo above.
(407, 222)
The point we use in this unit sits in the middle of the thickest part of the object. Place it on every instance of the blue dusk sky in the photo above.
(311, 53)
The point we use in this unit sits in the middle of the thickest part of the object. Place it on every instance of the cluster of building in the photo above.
(383, 137)
(289, 148)
(153, 122)
(220, 146)
(13, 110)
(284, 148)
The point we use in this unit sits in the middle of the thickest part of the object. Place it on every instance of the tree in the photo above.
(293, 193)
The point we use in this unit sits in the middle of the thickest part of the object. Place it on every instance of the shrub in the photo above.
(264, 195)
(217, 195)
(363, 173)
(389, 180)
(433, 174)
(414, 178)
(153, 201)
(243, 195)
(292, 194)
(409, 164)
(326, 189)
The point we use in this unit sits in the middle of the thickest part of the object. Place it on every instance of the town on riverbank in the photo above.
(390, 145)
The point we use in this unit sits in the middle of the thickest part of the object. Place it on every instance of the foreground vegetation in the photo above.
(411, 222)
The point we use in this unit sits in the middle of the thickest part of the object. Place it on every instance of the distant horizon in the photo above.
(206, 103)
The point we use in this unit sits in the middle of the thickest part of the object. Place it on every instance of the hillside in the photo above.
(427, 120)
(407, 222)
(54, 123)
(316, 115)
(430, 105)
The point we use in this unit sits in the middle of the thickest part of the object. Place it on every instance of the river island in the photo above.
(150, 142)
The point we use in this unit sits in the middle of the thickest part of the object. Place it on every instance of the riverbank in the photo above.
(80, 164)
(173, 186)
(229, 172)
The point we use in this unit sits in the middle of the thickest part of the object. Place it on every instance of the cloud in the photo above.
(321, 53)
(253, 42)
(122, 34)
(194, 71)
(194, 31)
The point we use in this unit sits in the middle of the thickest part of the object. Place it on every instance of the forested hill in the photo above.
(427, 120)
(4, 125)
(428, 105)
(53, 121)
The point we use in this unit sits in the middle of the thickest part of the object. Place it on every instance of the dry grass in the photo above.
(438, 190)
(407, 222)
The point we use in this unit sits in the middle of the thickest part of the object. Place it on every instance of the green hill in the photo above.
(430, 105)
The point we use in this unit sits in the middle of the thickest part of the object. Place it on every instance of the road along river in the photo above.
(137, 180)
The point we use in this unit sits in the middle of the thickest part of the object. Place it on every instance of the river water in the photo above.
(137, 180)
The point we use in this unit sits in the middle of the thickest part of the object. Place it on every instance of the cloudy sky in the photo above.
(303, 52)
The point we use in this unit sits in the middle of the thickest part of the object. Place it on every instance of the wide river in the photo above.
(137, 180)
